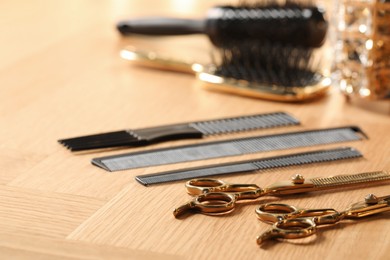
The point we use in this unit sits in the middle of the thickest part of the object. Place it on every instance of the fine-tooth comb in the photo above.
(231, 147)
(255, 165)
(200, 129)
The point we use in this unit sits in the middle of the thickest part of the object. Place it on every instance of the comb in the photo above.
(231, 147)
(200, 129)
(255, 165)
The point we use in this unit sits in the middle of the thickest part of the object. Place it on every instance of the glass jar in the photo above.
(361, 64)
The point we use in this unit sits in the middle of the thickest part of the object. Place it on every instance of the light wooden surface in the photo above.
(61, 76)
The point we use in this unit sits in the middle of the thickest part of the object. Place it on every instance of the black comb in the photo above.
(200, 129)
(231, 147)
(254, 165)
(291, 23)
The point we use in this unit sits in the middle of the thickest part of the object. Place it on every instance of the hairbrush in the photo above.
(291, 22)
(254, 69)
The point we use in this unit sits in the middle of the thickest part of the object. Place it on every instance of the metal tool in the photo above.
(229, 147)
(250, 165)
(200, 129)
(215, 197)
(292, 223)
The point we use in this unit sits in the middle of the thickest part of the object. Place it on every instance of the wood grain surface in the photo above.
(61, 76)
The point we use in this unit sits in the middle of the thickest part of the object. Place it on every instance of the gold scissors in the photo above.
(290, 222)
(214, 197)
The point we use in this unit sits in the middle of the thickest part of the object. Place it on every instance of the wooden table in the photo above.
(61, 76)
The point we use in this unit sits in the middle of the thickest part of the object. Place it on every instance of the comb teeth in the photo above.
(250, 166)
(105, 140)
(244, 123)
(343, 180)
(226, 148)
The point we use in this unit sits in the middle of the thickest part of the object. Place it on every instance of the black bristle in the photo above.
(268, 64)
(298, 23)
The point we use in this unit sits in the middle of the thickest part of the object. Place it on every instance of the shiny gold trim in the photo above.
(209, 81)
(274, 93)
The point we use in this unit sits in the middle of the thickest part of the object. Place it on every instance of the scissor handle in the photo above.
(290, 228)
(201, 186)
(276, 212)
(214, 203)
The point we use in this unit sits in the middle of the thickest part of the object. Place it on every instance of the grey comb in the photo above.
(229, 147)
(250, 165)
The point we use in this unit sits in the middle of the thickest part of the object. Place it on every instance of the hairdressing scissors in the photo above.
(214, 197)
(291, 222)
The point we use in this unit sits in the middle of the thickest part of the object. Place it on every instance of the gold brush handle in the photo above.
(208, 80)
(155, 60)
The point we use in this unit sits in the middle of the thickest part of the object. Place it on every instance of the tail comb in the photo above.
(200, 129)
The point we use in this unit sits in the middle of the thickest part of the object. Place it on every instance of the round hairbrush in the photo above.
(288, 23)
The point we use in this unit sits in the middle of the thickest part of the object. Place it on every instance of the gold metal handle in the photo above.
(290, 229)
(214, 203)
(155, 60)
(201, 186)
(276, 212)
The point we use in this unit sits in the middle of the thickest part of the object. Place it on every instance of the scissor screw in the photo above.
(371, 199)
(298, 179)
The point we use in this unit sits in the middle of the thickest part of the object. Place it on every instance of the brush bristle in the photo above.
(291, 22)
(268, 64)
(272, 43)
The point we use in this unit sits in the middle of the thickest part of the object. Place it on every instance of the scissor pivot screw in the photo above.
(298, 179)
(371, 199)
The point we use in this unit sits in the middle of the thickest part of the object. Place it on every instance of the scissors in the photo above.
(291, 222)
(216, 197)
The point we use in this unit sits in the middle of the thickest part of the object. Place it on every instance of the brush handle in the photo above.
(155, 60)
(160, 26)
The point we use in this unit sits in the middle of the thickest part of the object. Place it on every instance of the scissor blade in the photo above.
(376, 177)
(301, 185)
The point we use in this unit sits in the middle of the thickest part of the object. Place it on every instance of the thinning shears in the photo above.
(214, 197)
(290, 222)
